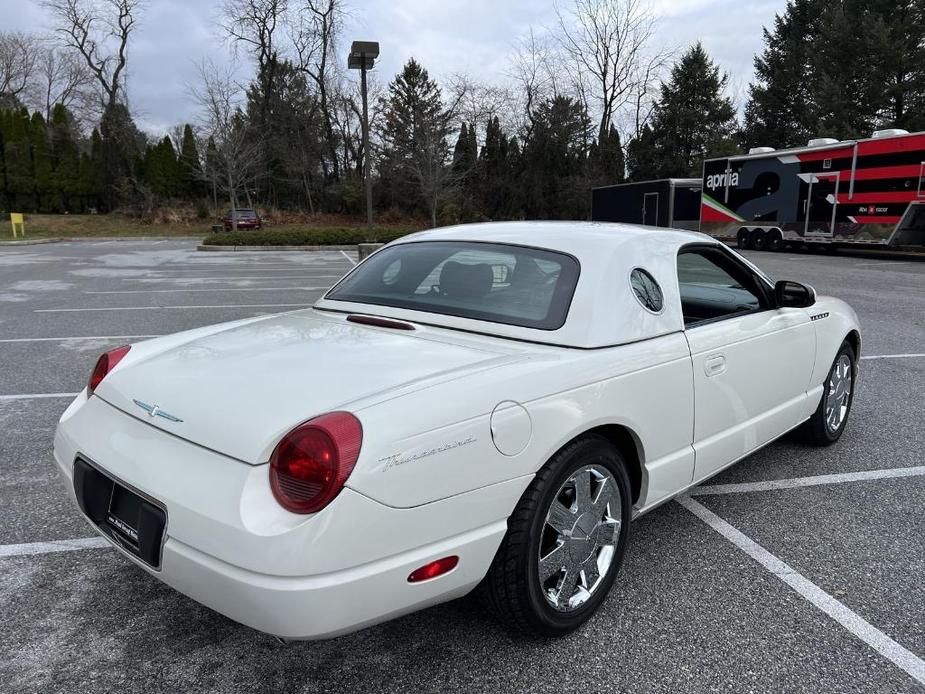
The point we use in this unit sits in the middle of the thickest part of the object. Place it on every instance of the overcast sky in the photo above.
(446, 36)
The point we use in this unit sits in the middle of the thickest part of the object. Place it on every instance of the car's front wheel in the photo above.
(828, 422)
(565, 541)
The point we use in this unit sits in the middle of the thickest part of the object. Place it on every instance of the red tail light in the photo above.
(106, 363)
(309, 466)
(433, 569)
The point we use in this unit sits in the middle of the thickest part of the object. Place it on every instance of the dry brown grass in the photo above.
(177, 222)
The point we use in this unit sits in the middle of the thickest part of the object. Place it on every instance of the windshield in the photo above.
(244, 214)
(515, 285)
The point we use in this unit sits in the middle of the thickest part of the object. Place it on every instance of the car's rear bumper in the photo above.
(231, 547)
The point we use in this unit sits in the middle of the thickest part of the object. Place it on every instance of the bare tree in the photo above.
(607, 40)
(479, 102)
(234, 163)
(62, 77)
(99, 31)
(533, 69)
(18, 54)
(429, 166)
(645, 92)
(314, 37)
(254, 24)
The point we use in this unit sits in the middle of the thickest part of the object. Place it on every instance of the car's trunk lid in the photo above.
(239, 390)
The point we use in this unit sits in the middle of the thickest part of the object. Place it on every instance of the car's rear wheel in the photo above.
(565, 541)
(828, 422)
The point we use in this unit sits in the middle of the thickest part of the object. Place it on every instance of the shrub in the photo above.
(321, 236)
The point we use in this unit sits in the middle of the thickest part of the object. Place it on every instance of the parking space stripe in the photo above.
(838, 611)
(893, 356)
(229, 278)
(840, 478)
(352, 261)
(66, 339)
(37, 396)
(211, 289)
(164, 308)
(53, 546)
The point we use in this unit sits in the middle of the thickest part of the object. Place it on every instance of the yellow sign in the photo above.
(16, 219)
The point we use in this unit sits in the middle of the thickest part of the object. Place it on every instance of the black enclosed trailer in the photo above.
(669, 202)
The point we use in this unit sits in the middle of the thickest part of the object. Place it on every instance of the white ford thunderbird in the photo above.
(481, 406)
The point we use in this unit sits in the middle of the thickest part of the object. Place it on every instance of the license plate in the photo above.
(134, 522)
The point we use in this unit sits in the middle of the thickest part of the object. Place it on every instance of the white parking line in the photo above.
(893, 356)
(37, 396)
(164, 308)
(229, 279)
(795, 482)
(53, 546)
(212, 289)
(67, 339)
(887, 264)
(352, 261)
(850, 620)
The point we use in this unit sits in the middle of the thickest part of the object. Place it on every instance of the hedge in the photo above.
(323, 236)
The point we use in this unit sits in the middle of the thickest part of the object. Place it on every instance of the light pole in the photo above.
(362, 56)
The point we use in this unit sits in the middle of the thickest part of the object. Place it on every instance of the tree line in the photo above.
(593, 100)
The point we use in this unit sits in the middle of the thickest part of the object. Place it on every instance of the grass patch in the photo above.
(43, 226)
(313, 236)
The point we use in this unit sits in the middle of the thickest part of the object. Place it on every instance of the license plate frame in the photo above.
(132, 520)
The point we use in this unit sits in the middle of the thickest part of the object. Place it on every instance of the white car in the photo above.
(481, 406)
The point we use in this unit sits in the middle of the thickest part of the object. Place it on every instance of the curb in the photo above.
(30, 242)
(203, 247)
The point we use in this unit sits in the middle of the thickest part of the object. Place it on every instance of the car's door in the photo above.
(752, 361)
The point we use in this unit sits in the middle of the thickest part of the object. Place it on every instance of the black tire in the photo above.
(743, 239)
(512, 589)
(759, 240)
(816, 430)
(775, 240)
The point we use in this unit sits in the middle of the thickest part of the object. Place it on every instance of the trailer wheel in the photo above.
(743, 242)
(775, 240)
(759, 240)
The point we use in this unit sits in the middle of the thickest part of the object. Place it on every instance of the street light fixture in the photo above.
(362, 56)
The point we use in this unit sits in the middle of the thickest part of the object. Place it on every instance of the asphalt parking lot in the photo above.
(813, 584)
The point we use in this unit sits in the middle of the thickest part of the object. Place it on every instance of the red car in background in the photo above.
(247, 220)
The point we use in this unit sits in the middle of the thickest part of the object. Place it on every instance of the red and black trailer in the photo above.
(869, 191)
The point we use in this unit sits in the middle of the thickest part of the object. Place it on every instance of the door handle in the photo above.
(714, 365)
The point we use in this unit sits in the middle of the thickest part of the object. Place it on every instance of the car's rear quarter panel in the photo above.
(442, 436)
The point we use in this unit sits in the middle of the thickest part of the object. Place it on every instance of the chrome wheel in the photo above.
(838, 393)
(579, 539)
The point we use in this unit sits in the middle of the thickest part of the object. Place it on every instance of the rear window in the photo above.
(500, 283)
(244, 214)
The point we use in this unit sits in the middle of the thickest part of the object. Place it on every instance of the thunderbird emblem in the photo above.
(156, 411)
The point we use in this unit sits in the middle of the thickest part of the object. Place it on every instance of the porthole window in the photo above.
(390, 276)
(647, 291)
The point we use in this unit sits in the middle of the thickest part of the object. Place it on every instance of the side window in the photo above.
(714, 286)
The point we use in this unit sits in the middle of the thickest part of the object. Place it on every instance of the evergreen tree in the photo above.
(161, 169)
(95, 182)
(782, 106)
(66, 162)
(555, 184)
(606, 159)
(897, 45)
(20, 172)
(414, 127)
(121, 147)
(847, 93)
(190, 183)
(691, 120)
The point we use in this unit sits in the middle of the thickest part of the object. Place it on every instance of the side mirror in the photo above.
(793, 294)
